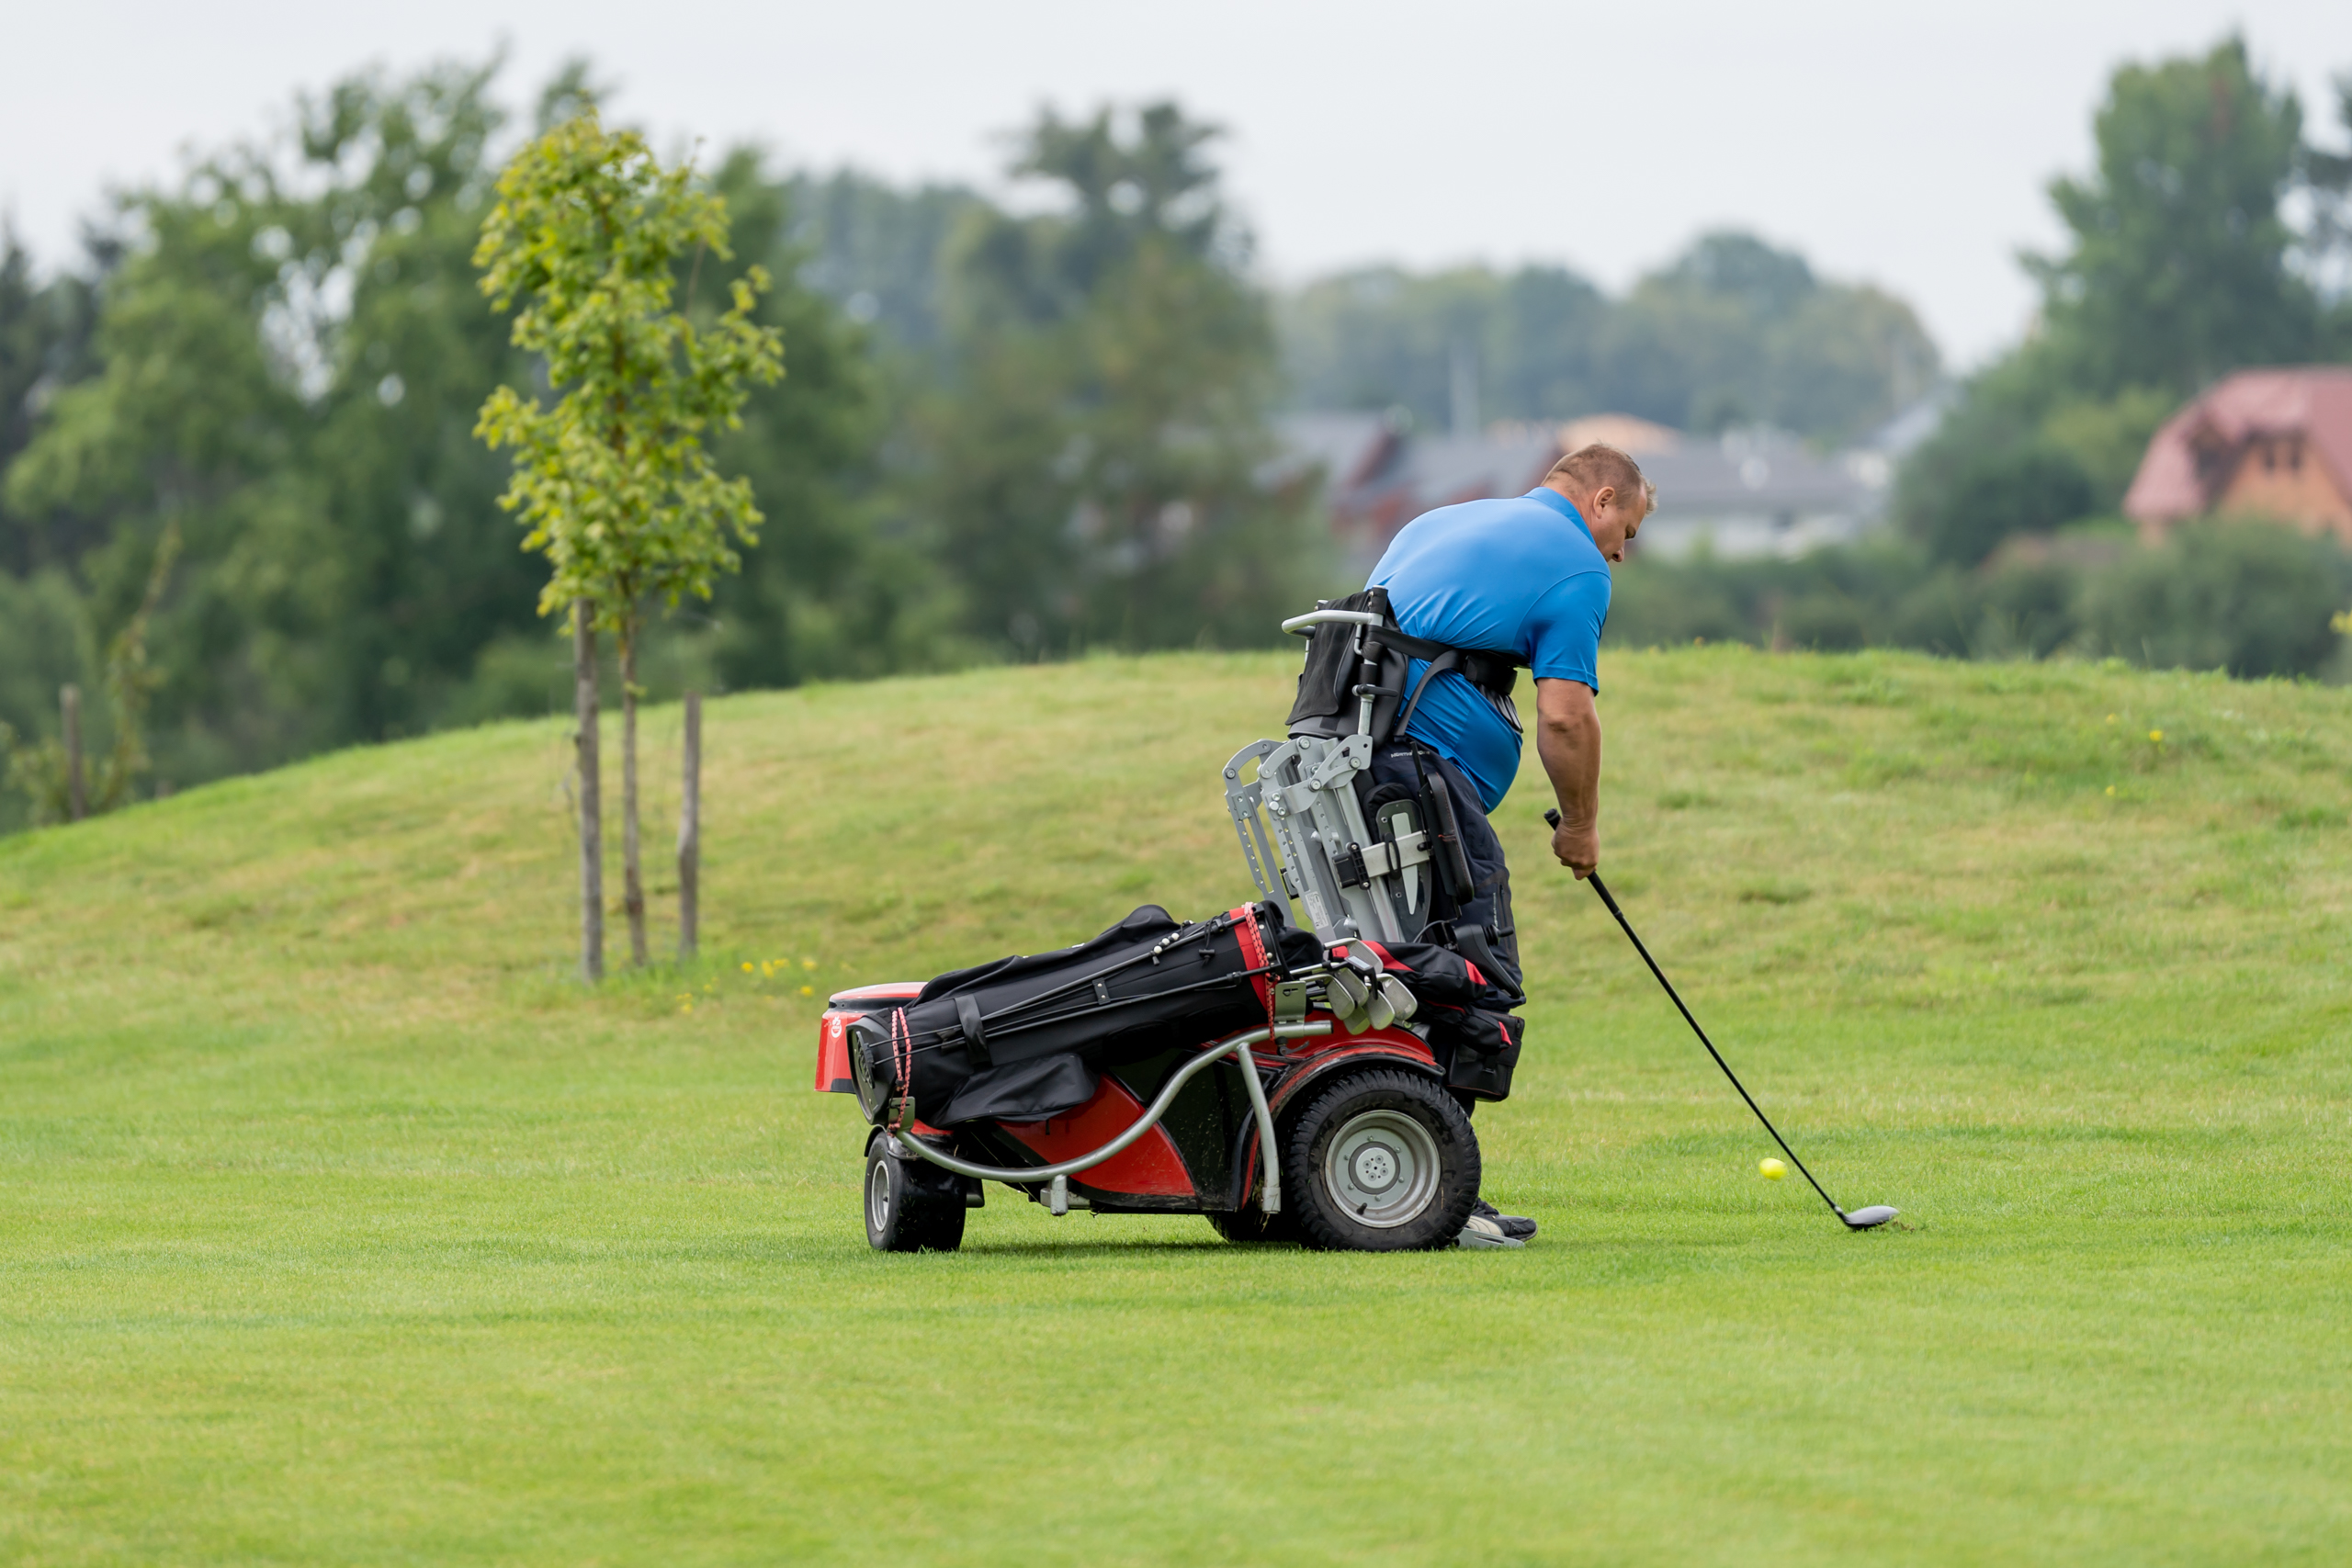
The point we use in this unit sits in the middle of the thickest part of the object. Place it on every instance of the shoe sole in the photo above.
(1475, 1239)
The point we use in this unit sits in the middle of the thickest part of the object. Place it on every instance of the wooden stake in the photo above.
(690, 831)
(77, 799)
(632, 884)
(592, 817)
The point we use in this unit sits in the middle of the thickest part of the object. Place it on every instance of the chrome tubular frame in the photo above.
(1304, 625)
(1234, 1045)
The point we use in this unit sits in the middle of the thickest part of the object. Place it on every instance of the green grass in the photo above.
(338, 1225)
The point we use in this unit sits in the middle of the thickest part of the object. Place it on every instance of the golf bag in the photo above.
(1024, 1038)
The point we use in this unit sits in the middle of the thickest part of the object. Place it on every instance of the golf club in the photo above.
(1861, 1219)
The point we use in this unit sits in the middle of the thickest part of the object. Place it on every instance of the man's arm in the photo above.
(1568, 739)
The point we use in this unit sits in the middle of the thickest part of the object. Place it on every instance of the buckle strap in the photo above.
(1488, 669)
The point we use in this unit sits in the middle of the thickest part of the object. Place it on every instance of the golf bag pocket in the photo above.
(1012, 1040)
(1033, 1091)
(1486, 1049)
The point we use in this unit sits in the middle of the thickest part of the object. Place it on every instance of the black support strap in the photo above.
(968, 1018)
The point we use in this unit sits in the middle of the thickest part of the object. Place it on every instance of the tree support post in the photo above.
(690, 831)
(592, 817)
(632, 881)
(77, 798)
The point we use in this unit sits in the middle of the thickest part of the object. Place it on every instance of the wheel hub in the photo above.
(1382, 1167)
(878, 1197)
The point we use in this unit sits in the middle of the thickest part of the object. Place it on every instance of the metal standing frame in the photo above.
(1304, 835)
(1234, 1045)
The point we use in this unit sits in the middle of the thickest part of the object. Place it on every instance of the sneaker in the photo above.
(1480, 1231)
(1512, 1225)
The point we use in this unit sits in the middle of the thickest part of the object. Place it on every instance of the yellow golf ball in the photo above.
(1773, 1169)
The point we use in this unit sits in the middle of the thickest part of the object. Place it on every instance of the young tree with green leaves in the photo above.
(612, 482)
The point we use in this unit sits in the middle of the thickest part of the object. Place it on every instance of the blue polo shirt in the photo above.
(1520, 575)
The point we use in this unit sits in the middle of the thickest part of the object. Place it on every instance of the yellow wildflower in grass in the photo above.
(808, 990)
(808, 964)
(2110, 789)
(2157, 735)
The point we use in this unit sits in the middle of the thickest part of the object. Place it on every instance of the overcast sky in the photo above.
(1905, 144)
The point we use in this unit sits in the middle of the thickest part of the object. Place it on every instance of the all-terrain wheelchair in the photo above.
(1293, 1068)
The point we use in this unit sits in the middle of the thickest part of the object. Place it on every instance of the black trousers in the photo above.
(1488, 906)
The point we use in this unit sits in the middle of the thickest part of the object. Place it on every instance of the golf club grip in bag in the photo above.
(1023, 1038)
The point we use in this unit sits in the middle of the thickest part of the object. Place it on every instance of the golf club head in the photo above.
(1863, 1219)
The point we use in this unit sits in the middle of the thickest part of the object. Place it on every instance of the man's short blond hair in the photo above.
(1588, 468)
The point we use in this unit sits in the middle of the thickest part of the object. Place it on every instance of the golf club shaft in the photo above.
(1602, 888)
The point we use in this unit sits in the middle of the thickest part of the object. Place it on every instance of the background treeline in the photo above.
(1023, 433)
(1734, 331)
(2211, 235)
(1058, 439)
(999, 436)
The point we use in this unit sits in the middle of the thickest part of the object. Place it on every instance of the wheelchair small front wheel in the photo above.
(905, 1212)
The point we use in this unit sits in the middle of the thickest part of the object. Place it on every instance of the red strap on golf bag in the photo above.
(1253, 953)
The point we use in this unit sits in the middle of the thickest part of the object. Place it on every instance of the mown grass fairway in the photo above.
(338, 1225)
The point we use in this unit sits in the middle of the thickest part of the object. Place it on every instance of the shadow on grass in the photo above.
(1107, 1249)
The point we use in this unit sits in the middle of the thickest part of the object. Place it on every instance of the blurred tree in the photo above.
(1095, 459)
(2179, 269)
(1382, 337)
(2031, 488)
(613, 481)
(842, 582)
(43, 772)
(1732, 332)
(281, 353)
(2327, 244)
(46, 333)
(2182, 267)
(285, 351)
(1736, 332)
(875, 251)
(2250, 599)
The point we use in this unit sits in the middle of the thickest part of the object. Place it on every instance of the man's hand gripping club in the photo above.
(1568, 739)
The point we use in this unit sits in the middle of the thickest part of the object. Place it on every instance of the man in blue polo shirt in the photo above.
(1526, 576)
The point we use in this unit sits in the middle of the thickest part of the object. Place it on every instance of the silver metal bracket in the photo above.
(1290, 1000)
(1387, 859)
(1342, 762)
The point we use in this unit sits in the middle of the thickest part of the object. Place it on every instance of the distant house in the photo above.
(1760, 492)
(2274, 442)
(1377, 475)
(1746, 493)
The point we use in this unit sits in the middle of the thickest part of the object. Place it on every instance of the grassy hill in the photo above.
(337, 1224)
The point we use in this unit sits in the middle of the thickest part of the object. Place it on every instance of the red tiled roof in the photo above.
(2313, 401)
